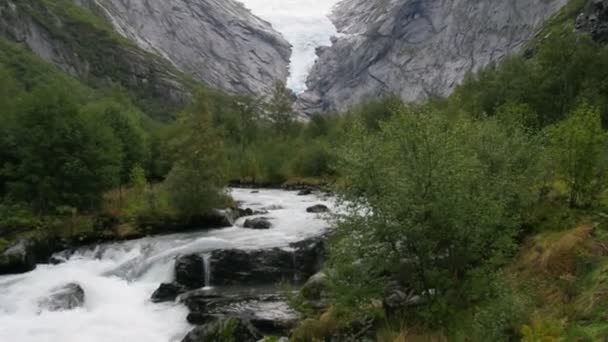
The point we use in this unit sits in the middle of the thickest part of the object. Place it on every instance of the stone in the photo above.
(190, 271)
(267, 266)
(18, 258)
(267, 312)
(317, 209)
(407, 48)
(67, 297)
(168, 292)
(305, 192)
(258, 223)
(224, 330)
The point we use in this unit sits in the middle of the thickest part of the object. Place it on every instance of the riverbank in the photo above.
(118, 280)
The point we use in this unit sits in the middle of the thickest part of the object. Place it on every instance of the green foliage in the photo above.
(280, 109)
(195, 183)
(579, 144)
(442, 194)
(62, 156)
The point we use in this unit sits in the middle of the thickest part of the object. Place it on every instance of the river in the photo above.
(119, 278)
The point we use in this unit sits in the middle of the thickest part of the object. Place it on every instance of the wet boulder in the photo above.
(240, 267)
(63, 298)
(18, 258)
(305, 192)
(269, 313)
(258, 223)
(308, 256)
(168, 292)
(190, 271)
(317, 209)
(224, 330)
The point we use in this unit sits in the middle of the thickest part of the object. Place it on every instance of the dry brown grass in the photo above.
(556, 254)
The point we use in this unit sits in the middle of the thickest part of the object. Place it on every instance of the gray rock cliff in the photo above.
(416, 48)
(216, 41)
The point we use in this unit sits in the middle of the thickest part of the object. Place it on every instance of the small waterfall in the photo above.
(294, 264)
(207, 262)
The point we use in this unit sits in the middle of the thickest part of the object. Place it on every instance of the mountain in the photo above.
(218, 42)
(157, 50)
(416, 48)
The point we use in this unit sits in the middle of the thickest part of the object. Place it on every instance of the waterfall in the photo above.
(207, 262)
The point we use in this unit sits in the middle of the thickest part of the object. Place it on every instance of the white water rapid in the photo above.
(305, 24)
(119, 278)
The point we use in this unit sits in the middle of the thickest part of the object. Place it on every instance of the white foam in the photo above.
(119, 278)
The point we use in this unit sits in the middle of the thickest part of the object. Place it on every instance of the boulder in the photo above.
(168, 292)
(257, 223)
(19, 258)
(314, 292)
(226, 329)
(317, 209)
(305, 192)
(190, 271)
(268, 266)
(240, 267)
(67, 297)
(308, 256)
(267, 312)
(397, 298)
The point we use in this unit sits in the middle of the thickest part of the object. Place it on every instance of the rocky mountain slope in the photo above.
(416, 48)
(216, 41)
(156, 50)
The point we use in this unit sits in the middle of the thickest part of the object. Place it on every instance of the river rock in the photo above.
(305, 192)
(309, 256)
(167, 292)
(224, 330)
(190, 271)
(317, 209)
(257, 223)
(19, 258)
(268, 312)
(240, 267)
(67, 297)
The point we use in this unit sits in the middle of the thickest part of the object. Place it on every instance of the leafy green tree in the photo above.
(579, 144)
(280, 109)
(64, 156)
(125, 123)
(433, 197)
(196, 182)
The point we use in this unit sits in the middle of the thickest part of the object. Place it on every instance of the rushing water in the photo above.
(305, 24)
(119, 278)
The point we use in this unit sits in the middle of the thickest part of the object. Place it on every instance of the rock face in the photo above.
(190, 271)
(224, 330)
(594, 19)
(68, 297)
(17, 259)
(267, 312)
(269, 266)
(217, 41)
(416, 48)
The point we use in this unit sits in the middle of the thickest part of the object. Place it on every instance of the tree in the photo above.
(431, 197)
(126, 126)
(579, 153)
(280, 109)
(64, 157)
(197, 179)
